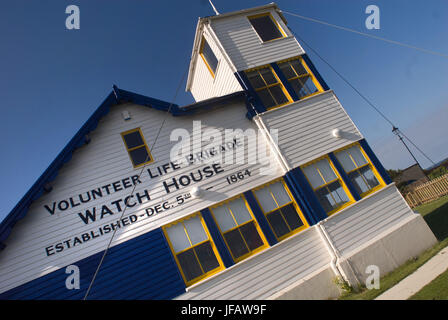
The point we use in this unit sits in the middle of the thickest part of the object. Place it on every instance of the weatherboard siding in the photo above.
(367, 219)
(105, 160)
(305, 128)
(245, 48)
(268, 272)
(204, 85)
(142, 268)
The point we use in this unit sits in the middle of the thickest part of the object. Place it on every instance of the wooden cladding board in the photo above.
(304, 128)
(38, 242)
(245, 48)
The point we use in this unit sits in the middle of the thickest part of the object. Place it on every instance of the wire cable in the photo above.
(360, 94)
(133, 189)
(369, 35)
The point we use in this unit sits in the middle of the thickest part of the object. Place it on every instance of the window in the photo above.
(359, 170)
(327, 185)
(282, 213)
(268, 87)
(266, 27)
(209, 57)
(136, 147)
(238, 228)
(194, 251)
(300, 77)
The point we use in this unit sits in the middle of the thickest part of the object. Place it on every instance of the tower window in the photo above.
(327, 185)
(359, 170)
(300, 77)
(281, 211)
(238, 228)
(268, 87)
(136, 146)
(209, 57)
(193, 249)
(266, 27)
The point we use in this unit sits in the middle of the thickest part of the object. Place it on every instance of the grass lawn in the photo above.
(436, 290)
(436, 216)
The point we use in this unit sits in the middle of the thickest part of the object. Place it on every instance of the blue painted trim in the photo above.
(217, 238)
(315, 72)
(300, 199)
(140, 268)
(244, 82)
(308, 193)
(261, 218)
(285, 81)
(379, 167)
(344, 177)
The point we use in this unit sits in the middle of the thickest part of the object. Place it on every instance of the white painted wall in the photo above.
(243, 45)
(105, 160)
(305, 128)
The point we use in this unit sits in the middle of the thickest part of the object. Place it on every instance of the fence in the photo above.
(428, 191)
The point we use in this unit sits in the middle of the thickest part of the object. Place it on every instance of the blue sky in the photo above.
(52, 79)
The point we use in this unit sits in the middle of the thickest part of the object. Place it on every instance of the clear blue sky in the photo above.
(52, 79)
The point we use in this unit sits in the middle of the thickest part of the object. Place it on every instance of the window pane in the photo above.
(345, 160)
(266, 98)
(292, 217)
(265, 199)
(313, 176)
(195, 230)
(206, 256)
(369, 176)
(326, 170)
(189, 264)
(139, 156)
(223, 218)
(265, 27)
(287, 70)
(255, 79)
(357, 156)
(209, 56)
(308, 84)
(239, 210)
(277, 223)
(251, 236)
(177, 237)
(133, 139)
(268, 76)
(338, 193)
(298, 67)
(278, 94)
(325, 199)
(236, 243)
(280, 194)
(358, 182)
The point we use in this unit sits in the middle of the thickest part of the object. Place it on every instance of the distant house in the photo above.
(412, 176)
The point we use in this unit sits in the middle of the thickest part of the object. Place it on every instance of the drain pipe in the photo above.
(335, 256)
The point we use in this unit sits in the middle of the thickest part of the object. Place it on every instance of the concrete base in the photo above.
(387, 251)
(392, 248)
(318, 286)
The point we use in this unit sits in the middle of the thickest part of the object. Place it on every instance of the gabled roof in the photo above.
(117, 96)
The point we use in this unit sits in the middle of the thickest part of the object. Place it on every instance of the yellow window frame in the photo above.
(257, 227)
(369, 163)
(279, 28)
(267, 86)
(309, 73)
(201, 48)
(296, 206)
(209, 238)
(338, 178)
(151, 159)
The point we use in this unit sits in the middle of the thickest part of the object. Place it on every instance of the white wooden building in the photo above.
(262, 189)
